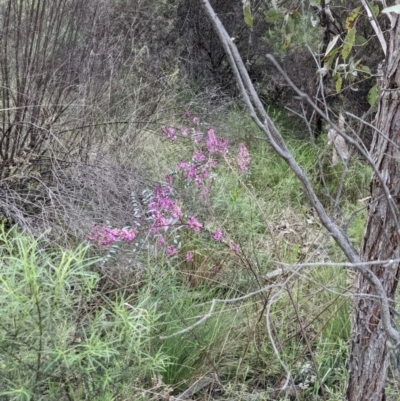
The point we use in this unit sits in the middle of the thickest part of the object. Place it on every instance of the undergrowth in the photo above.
(77, 328)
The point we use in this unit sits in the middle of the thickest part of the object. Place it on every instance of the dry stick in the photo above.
(375, 25)
(273, 137)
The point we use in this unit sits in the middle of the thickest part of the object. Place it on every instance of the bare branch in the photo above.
(375, 25)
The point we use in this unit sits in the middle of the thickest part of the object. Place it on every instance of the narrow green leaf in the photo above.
(373, 94)
(365, 68)
(248, 18)
(348, 43)
(352, 17)
(288, 39)
(375, 9)
(338, 82)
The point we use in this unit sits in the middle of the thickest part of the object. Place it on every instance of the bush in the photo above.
(60, 337)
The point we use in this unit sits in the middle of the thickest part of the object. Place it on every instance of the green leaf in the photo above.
(366, 69)
(288, 39)
(352, 17)
(393, 9)
(248, 18)
(373, 94)
(348, 43)
(273, 16)
(338, 82)
(290, 24)
(360, 40)
(375, 9)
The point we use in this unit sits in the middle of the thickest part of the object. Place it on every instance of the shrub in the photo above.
(60, 337)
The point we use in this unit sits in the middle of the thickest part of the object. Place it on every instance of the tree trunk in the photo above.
(369, 359)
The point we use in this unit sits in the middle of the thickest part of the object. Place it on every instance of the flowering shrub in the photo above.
(165, 206)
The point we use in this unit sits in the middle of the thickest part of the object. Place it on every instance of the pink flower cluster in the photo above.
(217, 235)
(194, 224)
(169, 132)
(163, 208)
(171, 251)
(243, 158)
(107, 236)
(216, 145)
(198, 170)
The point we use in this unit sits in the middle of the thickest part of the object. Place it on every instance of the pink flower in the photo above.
(176, 212)
(195, 120)
(182, 165)
(168, 179)
(95, 236)
(199, 157)
(243, 158)
(214, 144)
(171, 251)
(191, 172)
(184, 131)
(164, 210)
(217, 235)
(161, 241)
(107, 236)
(189, 257)
(169, 132)
(128, 235)
(194, 224)
(187, 114)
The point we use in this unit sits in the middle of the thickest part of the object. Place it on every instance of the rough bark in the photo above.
(369, 360)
